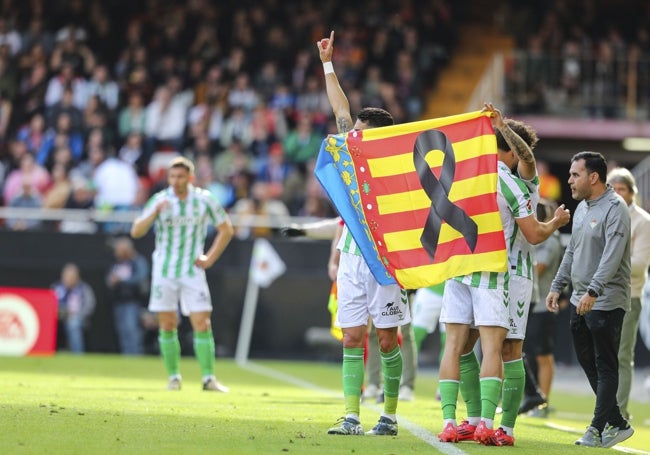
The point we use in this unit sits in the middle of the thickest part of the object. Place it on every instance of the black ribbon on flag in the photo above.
(437, 190)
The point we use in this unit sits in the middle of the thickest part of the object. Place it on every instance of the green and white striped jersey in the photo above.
(521, 258)
(347, 244)
(181, 230)
(514, 201)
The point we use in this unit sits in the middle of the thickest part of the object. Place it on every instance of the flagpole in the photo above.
(247, 320)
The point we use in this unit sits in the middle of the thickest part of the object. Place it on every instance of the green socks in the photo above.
(170, 348)
(514, 381)
(352, 378)
(419, 333)
(470, 386)
(448, 397)
(490, 391)
(204, 352)
(391, 367)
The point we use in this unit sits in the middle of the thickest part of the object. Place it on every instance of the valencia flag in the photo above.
(419, 198)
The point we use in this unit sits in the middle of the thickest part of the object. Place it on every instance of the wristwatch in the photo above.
(592, 293)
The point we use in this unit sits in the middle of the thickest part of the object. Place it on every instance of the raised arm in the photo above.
(335, 94)
(526, 164)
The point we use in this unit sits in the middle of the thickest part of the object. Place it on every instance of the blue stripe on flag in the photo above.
(334, 161)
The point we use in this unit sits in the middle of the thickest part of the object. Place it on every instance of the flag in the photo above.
(266, 264)
(419, 198)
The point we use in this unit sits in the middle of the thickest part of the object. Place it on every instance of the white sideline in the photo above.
(419, 432)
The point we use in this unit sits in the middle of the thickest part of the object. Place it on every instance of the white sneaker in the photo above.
(371, 392)
(406, 393)
(174, 383)
(215, 386)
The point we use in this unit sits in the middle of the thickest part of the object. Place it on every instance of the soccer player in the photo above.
(181, 214)
(496, 303)
(359, 294)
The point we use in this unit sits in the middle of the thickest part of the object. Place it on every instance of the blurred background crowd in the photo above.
(97, 95)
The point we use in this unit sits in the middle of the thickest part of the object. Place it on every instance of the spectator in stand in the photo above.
(116, 184)
(132, 117)
(17, 149)
(66, 106)
(32, 89)
(207, 117)
(237, 127)
(62, 134)
(134, 153)
(104, 87)
(57, 195)
(127, 281)
(76, 306)
(30, 171)
(259, 215)
(71, 51)
(313, 102)
(242, 94)
(267, 126)
(233, 159)
(27, 198)
(37, 35)
(303, 142)
(66, 79)
(9, 37)
(81, 197)
(138, 79)
(33, 133)
(283, 100)
(165, 121)
(267, 79)
(97, 116)
(274, 170)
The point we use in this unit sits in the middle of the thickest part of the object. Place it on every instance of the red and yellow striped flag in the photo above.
(419, 198)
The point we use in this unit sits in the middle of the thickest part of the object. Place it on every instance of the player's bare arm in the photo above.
(142, 224)
(526, 165)
(335, 94)
(225, 232)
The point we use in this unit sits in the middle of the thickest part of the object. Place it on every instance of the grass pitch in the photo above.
(106, 404)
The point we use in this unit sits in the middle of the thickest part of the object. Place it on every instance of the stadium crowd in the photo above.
(576, 58)
(96, 96)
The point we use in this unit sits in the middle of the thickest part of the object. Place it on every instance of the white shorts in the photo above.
(360, 296)
(426, 309)
(521, 291)
(192, 293)
(477, 307)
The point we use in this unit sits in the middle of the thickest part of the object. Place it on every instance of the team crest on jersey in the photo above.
(593, 223)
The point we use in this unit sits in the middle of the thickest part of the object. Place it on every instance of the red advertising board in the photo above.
(27, 321)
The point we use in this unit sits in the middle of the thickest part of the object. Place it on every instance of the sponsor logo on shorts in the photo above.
(391, 310)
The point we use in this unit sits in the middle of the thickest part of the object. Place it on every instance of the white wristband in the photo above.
(328, 67)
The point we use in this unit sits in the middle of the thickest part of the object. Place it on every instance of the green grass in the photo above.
(104, 404)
